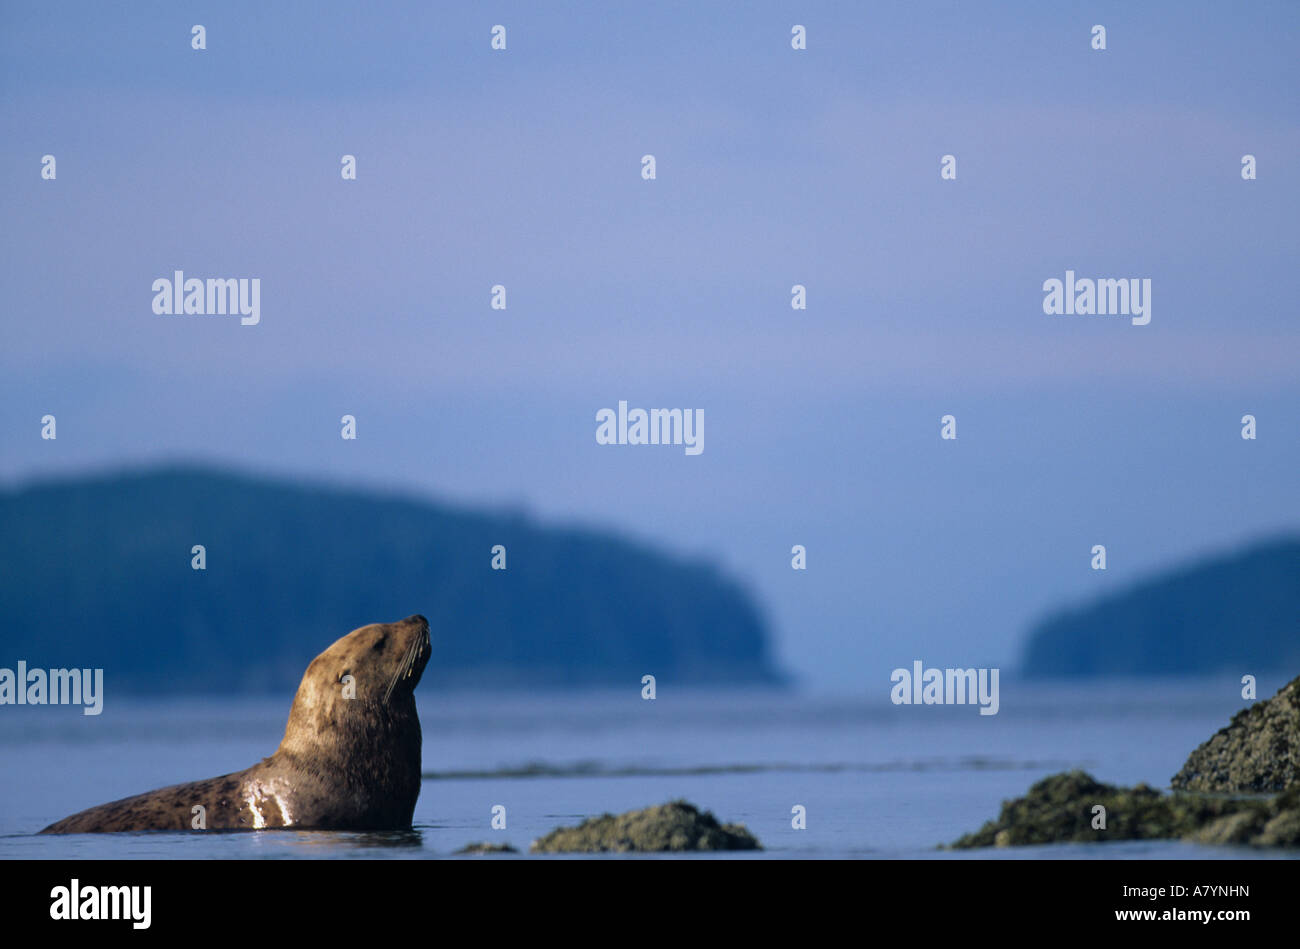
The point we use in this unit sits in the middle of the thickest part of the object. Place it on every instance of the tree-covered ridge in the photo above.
(97, 572)
(1237, 613)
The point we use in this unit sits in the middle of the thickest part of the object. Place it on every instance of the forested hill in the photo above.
(1237, 613)
(97, 572)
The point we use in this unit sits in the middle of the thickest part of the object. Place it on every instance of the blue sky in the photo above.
(775, 167)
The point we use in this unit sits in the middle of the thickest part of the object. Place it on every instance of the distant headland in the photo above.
(189, 578)
(1237, 613)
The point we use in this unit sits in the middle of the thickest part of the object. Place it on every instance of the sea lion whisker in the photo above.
(404, 667)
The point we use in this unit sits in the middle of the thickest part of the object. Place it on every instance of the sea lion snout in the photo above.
(414, 647)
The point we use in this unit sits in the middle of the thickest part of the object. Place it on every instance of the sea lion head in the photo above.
(384, 660)
(361, 685)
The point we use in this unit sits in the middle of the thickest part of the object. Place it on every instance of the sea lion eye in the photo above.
(344, 674)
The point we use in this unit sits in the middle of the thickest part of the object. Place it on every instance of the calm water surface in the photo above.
(878, 781)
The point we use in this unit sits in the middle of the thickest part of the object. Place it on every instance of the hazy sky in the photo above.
(774, 167)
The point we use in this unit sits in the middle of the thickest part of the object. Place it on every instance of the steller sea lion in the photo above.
(349, 759)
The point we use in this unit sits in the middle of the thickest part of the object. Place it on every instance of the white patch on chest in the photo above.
(260, 794)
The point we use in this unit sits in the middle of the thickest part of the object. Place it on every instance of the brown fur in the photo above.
(344, 764)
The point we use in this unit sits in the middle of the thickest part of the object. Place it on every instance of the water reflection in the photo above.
(333, 840)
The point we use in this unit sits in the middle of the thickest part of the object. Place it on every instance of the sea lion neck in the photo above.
(324, 727)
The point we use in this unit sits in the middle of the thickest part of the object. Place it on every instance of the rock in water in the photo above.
(1258, 751)
(485, 847)
(676, 826)
(1060, 809)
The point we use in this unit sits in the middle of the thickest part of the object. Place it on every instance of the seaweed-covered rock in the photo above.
(1259, 750)
(484, 847)
(1060, 809)
(676, 826)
